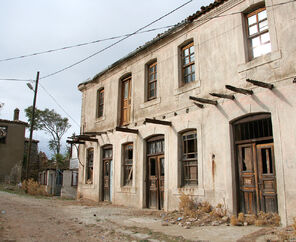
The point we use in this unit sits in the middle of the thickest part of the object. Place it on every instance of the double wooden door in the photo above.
(257, 178)
(155, 181)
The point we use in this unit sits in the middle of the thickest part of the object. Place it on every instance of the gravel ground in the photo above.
(26, 218)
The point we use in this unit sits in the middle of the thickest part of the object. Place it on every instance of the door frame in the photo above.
(103, 160)
(255, 142)
(158, 156)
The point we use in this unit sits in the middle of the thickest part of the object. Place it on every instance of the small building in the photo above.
(207, 108)
(70, 176)
(12, 139)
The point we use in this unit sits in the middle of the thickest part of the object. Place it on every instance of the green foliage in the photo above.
(50, 122)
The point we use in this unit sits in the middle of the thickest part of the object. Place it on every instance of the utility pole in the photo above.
(32, 125)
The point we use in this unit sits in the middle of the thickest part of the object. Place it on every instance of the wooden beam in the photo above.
(202, 100)
(261, 84)
(75, 142)
(239, 90)
(156, 121)
(199, 105)
(223, 95)
(127, 130)
(94, 133)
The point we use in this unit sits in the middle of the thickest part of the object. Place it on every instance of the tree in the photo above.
(50, 122)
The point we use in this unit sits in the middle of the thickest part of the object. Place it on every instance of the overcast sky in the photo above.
(37, 25)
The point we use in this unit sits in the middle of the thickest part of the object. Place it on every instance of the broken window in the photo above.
(128, 164)
(152, 81)
(189, 158)
(188, 63)
(90, 159)
(258, 33)
(3, 134)
(100, 97)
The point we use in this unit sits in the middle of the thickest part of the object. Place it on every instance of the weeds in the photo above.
(262, 219)
(33, 188)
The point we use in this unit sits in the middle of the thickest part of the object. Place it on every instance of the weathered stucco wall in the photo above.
(12, 151)
(220, 52)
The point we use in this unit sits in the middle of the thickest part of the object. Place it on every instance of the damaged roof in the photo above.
(203, 10)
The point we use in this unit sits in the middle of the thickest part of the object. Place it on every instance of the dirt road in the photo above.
(25, 218)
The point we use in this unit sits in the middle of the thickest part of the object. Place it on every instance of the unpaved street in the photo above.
(25, 218)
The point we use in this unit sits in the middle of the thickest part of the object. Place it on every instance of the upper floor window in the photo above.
(125, 100)
(258, 34)
(3, 134)
(89, 167)
(188, 67)
(100, 98)
(128, 164)
(189, 158)
(152, 81)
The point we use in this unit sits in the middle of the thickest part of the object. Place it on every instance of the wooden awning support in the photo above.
(75, 142)
(199, 105)
(239, 90)
(202, 100)
(94, 133)
(156, 121)
(223, 95)
(261, 84)
(127, 130)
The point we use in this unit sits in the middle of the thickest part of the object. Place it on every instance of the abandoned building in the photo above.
(12, 139)
(207, 108)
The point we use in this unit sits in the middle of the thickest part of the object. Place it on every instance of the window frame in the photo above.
(186, 162)
(100, 103)
(127, 164)
(74, 184)
(89, 167)
(259, 33)
(190, 64)
(152, 64)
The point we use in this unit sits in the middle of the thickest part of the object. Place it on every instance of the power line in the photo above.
(15, 79)
(80, 44)
(115, 43)
(61, 107)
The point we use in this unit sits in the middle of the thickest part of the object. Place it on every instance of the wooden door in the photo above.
(156, 182)
(257, 178)
(125, 101)
(247, 178)
(106, 172)
(267, 178)
(107, 162)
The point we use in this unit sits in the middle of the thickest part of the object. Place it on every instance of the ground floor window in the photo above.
(189, 158)
(89, 172)
(128, 164)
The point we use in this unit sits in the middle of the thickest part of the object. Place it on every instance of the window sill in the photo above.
(187, 87)
(100, 119)
(192, 190)
(150, 103)
(259, 61)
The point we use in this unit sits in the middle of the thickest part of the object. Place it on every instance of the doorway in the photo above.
(107, 173)
(255, 164)
(155, 172)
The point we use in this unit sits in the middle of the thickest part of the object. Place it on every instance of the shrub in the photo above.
(187, 205)
(33, 188)
(234, 220)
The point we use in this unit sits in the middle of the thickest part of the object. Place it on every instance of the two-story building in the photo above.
(206, 108)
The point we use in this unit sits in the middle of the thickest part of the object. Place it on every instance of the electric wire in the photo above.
(60, 106)
(80, 44)
(15, 79)
(115, 43)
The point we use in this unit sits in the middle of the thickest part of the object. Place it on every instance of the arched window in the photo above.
(189, 171)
